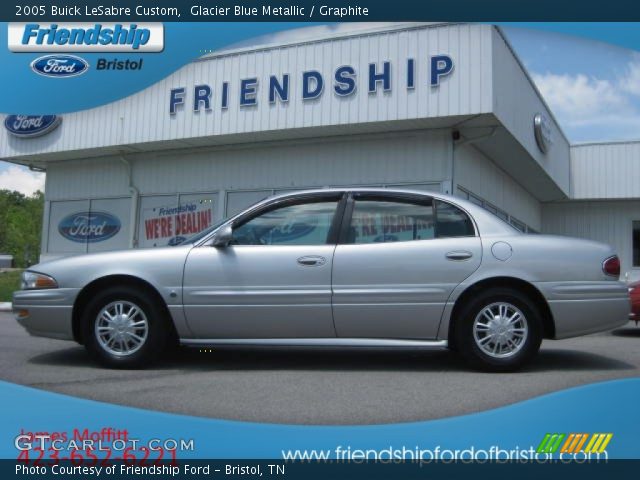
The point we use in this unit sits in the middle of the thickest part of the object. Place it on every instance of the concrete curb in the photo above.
(5, 306)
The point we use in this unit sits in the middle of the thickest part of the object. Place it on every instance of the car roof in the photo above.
(381, 190)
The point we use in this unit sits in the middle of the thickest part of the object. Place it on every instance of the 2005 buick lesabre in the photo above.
(336, 267)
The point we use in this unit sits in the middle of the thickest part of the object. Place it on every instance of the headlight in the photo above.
(34, 281)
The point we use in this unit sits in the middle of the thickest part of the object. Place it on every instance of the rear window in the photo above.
(452, 222)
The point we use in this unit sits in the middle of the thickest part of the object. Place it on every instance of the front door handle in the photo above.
(459, 255)
(312, 261)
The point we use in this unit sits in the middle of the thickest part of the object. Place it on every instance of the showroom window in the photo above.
(239, 200)
(518, 225)
(170, 219)
(636, 243)
(300, 224)
(501, 214)
(81, 226)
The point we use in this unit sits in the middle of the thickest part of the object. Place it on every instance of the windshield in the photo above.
(199, 236)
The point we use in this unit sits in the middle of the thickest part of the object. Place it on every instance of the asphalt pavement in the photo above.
(314, 386)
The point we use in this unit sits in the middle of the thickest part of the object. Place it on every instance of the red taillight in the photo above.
(611, 266)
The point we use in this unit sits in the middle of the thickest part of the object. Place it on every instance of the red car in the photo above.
(634, 293)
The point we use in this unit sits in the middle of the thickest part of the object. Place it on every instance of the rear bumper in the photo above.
(581, 308)
(46, 313)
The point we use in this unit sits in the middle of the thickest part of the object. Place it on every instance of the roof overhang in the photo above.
(484, 131)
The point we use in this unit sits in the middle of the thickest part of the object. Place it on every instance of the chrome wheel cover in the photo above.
(500, 330)
(121, 328)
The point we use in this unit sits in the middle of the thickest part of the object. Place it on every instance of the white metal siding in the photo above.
(90, 178)
(516, 102)
(399, 158)
(609, 222)
(479, 175)
(144, 117)
(605, 170)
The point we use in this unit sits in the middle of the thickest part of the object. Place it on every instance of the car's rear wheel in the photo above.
(124, 328)
(500, 330)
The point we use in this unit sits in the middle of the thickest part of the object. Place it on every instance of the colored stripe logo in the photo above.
(574, 442)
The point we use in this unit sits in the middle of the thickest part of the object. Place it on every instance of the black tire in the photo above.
(158, 331)
(513, 358)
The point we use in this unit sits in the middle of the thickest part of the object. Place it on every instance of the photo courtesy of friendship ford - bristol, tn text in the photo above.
(345, 224)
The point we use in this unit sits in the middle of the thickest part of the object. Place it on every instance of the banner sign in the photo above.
(172, 224)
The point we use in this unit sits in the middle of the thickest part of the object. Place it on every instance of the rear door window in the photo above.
(383, 221)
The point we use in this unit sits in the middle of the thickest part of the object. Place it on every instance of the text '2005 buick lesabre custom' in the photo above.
(336, 267)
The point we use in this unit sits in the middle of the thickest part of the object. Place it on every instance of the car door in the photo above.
(399, 258)
(273, 280)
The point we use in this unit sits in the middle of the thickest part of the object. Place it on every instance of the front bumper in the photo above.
(46, 313)
(581, 308)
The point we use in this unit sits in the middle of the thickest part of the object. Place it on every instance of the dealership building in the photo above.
(436, 107)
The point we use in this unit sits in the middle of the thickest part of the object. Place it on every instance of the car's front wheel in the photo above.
(499, 330)
(124, 328)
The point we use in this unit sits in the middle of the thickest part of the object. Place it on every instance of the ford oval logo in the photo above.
(31, 125)
(176, 241)
(59, 66)
(291, 232)
(89, 227)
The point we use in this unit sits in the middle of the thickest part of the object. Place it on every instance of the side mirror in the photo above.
(222, 237)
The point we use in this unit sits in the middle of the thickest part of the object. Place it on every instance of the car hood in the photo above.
(155, 265)
(129, 255)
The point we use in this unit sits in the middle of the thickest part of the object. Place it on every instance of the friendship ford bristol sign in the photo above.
(31, 125)
(343, 82)
(84, 37)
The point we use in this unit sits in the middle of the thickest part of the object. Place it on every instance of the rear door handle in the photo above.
(459, 255)
(312, 261)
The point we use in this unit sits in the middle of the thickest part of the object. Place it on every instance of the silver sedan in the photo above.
(336, 267)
